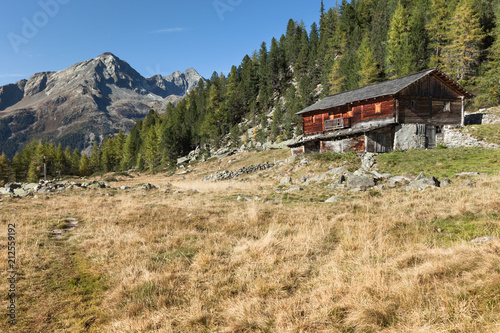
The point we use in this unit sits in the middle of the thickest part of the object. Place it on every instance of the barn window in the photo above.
(413, 105)
(447, 107)
(378, 107)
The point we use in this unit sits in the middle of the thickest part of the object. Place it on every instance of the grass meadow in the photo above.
(190, 257)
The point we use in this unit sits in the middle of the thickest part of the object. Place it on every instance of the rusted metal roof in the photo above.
(390, 87)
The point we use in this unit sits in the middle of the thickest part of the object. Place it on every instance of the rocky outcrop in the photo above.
(454, 139)
(226, 174)
(85, 101)
(19, 190)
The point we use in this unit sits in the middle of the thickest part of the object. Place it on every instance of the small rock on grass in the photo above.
(333, 199)
(481, 240)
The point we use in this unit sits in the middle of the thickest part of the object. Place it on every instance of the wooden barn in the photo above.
(398, 114)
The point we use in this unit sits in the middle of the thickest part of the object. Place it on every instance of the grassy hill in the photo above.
(190, 257)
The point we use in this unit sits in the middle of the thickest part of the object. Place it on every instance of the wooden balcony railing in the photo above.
(338, 123)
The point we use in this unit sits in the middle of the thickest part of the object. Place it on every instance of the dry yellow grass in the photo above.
(201, 261)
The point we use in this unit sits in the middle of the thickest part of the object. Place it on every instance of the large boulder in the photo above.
(422, 182)
(364, 180)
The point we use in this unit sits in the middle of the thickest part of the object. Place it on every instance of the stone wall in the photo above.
(409, 136)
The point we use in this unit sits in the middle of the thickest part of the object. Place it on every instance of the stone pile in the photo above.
(455, 139)
(26, 189)
(226, 174)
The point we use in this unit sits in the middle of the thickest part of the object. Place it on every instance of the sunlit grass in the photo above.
(201, 261)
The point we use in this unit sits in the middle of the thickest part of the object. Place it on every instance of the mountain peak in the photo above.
(107, 55)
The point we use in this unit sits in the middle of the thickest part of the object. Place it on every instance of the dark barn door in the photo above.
(430, 137)
(380, 143)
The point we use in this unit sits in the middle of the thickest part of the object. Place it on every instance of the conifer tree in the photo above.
(17, 168)
(336, 78)
(84, 168)
(399, 59)
(462, 54)
(303, 57)
(151, 152)
(4, 169)
(489, 82)
(369, 71)
(75, 162)
(276, 65)
(438, 26)
(60, 164)
(95, 157)
(33, 172)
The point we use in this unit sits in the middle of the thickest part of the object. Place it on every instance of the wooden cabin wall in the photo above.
(429, 110)
(429, 96)
(313, 122)
(367, 110)
(430, 86)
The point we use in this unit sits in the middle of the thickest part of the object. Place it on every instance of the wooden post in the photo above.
(397, 111)
(44, 169)
(462, 122)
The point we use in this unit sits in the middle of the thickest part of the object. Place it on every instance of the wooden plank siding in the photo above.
(430, 86)
(367, 110)
(313, 122)
(424, 103)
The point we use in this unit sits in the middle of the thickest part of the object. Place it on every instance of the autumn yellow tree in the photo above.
(461, 55)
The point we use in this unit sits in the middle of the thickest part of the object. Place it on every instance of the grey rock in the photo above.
(399, 179)
(305, 161)
(356, 181)
(5, 191)
(146, 186)
(241, 198)
(19, 192)
(445, 182)
(286, 181)
(337, 171)
(124, 187)
(422, 182)
(97, 184)
(482, 240)
(380, 176)
(182, 160)
(368, 161)
(293, 189)
(30, 186)
(333, 199)
(470, 174)
(226, 174)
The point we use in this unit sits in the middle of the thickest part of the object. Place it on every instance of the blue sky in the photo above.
(153, 36)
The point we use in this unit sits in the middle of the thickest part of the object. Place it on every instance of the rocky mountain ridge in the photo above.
(84, 102)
